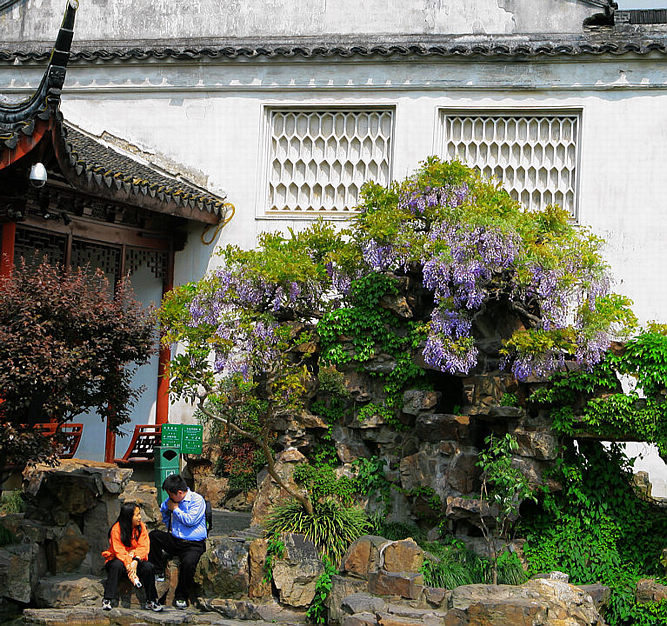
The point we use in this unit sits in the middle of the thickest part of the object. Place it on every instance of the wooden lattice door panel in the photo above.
(34, 246)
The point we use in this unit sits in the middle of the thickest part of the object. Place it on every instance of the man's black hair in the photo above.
(174, 483)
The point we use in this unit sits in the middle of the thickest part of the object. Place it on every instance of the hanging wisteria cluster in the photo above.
(468, 258)
(467, 241)
(242, 310)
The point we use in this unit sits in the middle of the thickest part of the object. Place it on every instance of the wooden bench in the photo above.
(141, 448)
(70, 436)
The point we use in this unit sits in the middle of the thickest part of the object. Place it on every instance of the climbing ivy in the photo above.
(592, 401)
(373, 330)
(597, 529)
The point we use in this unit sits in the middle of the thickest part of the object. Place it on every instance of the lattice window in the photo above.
(535, 155)
(96, 256)
(34, 245)
(318, 160)
(155, 260)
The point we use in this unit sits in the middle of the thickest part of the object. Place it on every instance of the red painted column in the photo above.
(109, 446)
(164, 356)
(7, 248)
(162, 403)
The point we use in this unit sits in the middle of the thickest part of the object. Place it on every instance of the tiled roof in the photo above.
(96, 164)
(19, 119)
(602, 40)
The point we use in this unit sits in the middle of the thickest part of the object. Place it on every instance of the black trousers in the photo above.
(116, 569)
(188, 551)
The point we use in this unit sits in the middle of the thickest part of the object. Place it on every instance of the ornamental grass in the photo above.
(332, 527)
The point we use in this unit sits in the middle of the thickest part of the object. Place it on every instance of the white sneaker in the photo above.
(106, 605)
(153, 605)
(181, 604)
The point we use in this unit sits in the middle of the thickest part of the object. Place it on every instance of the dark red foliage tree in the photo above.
(68, 344)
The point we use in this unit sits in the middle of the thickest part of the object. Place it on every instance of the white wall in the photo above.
(38, 20)
(209, 116)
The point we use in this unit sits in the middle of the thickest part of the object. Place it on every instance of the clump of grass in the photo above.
(451, 565)
(332, 527)
(12, 502)
(395, 531)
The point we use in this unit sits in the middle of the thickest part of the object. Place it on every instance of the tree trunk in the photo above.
(304, 501)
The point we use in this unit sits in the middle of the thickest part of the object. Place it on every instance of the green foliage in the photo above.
(275, 550)
(317, 612)
(373, 330)
(322, 483)
(332, 382)
(598, 530)
(240, 459)
(450, 564)
(371, 479)
(431, 499)
(332, 527)
(12, 502)
(509, 399)
(504, 488)
(592, 401)
(370, 410)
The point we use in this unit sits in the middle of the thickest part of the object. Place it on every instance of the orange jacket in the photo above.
(118, 550)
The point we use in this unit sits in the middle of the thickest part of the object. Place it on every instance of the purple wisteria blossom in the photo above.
(378, 256)
(440, 353)
(540, 366)
(590, 350)
(419, 200)
(450, 323)
(254, 346)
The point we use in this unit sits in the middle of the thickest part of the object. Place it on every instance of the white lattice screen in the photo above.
(534, 155)
(318, 160)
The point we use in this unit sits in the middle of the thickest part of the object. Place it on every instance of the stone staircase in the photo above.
(74, 599)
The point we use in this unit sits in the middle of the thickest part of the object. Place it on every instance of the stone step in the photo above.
(95, 616)
(253, 532)
(224, 522)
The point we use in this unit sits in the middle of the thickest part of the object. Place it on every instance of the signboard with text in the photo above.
(187, 437)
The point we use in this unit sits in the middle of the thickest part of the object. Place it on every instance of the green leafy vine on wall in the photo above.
(592, 401)
(372, 330)
(599, 531)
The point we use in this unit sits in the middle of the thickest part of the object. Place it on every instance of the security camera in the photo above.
(38, 175)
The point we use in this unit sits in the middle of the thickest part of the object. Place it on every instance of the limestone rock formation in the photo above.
(296, 574)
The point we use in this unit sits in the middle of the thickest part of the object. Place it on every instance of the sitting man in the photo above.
(184, 515)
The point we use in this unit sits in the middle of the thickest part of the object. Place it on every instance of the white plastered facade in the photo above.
(211, 115)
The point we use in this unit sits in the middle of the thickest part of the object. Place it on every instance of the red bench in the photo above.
(141, 448)
(70, 434)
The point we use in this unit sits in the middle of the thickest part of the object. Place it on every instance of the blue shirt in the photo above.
(188, 519)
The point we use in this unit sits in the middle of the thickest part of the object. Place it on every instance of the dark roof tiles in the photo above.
(106, 167)
(624, 39)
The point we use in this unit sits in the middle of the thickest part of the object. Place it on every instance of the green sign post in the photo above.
(187, 437)
(176, 439)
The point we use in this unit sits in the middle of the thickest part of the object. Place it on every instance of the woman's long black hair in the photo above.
(125, 521)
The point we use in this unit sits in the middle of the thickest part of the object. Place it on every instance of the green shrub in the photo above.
(597, 530)
(451, 565)
(322, 483)
(12, 502)
(332, 527)
(317, 611)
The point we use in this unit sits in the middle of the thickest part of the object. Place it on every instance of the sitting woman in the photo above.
(128, 554)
